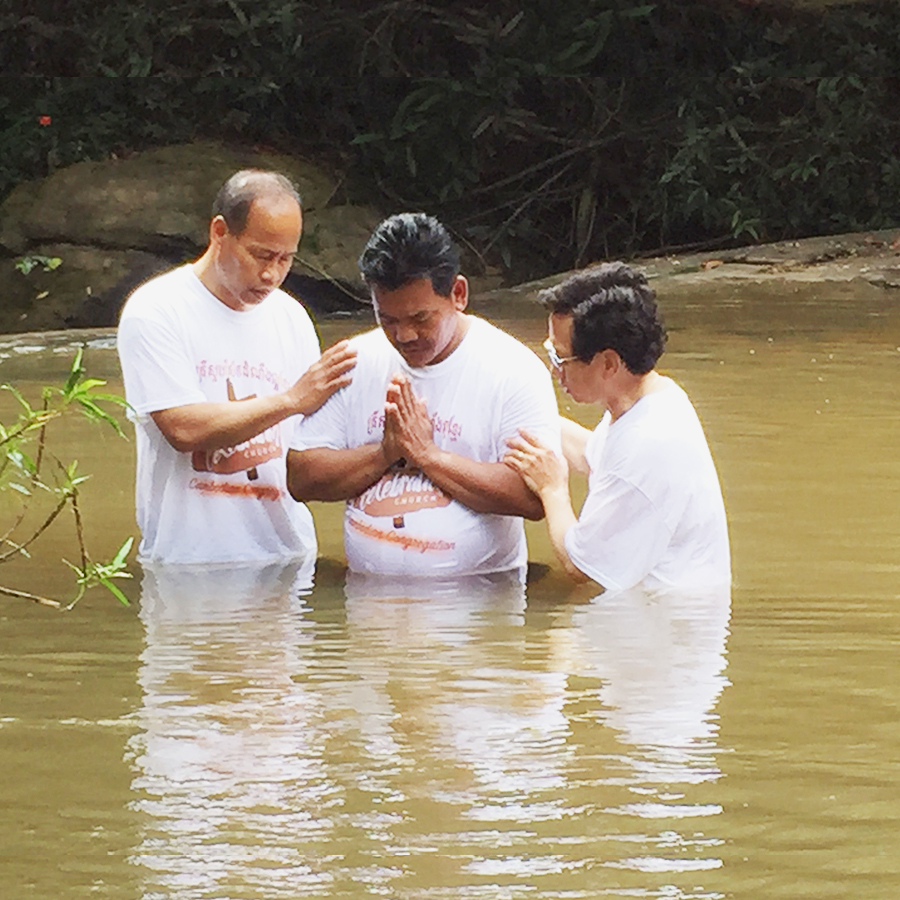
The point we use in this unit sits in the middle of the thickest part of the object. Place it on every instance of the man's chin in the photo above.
(254, 297)
(416, 359)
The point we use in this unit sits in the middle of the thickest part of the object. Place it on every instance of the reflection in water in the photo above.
(660, 659)
(421, 740)
(227, 780)
(444, 662)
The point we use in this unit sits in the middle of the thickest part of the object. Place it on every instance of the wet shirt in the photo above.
(178, 344)
(654, 512)
(488, 388)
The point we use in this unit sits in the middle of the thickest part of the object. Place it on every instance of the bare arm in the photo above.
(560, 518)
(209, 426)
(574, 440)
(326, 474)
(481, 486)
(547, 475)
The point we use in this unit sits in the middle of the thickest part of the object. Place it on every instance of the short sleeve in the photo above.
(304, 345)
(326, 427)
(530, 405)
(619, 536)
(156, 370)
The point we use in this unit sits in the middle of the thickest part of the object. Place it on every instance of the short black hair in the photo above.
(613, 308)
(409, 246)
(236, 196)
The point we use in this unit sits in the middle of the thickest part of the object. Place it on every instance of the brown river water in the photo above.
(229, 737)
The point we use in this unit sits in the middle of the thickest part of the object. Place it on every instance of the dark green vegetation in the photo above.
(545, 134)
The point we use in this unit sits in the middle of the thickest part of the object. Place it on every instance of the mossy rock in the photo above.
(158, 200)
(85, 290)
(117, 222)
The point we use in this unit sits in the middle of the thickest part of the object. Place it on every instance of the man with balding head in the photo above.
(219, 365)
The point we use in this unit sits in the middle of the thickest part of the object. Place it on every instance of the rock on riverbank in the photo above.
(117, 222)
(114, 223)
(868, 260)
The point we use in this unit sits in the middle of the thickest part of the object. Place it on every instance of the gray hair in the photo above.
(236, 196)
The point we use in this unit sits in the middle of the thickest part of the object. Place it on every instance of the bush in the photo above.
(47, 488)
(545, 135)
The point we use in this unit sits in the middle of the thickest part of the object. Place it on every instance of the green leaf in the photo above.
(637, 12)
(512, 23)
(22, 401)
(94, 412)
(114, 590)
(26, 264)
(76, 372)
(112, 398)
(23, 461)
(122, 553)
(89, 384)
(368, 138)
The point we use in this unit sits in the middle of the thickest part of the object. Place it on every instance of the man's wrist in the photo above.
(286, 404)
(430, 457)
(387, 457)
(555, 494)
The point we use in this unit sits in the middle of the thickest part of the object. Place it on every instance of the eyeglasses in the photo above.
(555, 359)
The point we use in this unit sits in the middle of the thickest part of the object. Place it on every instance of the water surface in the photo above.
(243, 735)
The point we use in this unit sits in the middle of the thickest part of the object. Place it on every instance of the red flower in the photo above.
(45, 120)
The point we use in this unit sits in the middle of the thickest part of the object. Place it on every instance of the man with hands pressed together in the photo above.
(654, 513)
(414, 444)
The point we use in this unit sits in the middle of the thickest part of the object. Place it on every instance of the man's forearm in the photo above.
(326, 474)
(574, 440)
(560, 518)
(483, 487)
(211, 426)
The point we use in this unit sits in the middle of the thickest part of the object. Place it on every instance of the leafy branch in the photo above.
(25, 458)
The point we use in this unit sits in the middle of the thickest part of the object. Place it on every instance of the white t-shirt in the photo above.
(488, 388)
(654, 512)
(178, 344)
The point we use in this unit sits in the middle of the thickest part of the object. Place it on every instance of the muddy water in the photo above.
(238, 736)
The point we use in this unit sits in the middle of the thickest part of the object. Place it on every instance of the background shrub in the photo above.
(545, 135)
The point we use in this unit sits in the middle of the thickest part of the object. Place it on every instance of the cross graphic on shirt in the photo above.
(252, 473)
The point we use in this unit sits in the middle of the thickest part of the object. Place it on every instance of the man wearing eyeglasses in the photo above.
(414, 444)
(654, 513)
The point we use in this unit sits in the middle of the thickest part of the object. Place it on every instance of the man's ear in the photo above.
(218, 228)
(459, 293)
(610, 362)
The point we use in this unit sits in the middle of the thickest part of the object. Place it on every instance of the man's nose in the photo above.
(274, 272)
(406, 333)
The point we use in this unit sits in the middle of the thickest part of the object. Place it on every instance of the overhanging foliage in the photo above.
(545, 135)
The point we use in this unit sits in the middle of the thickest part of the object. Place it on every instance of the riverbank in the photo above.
(72, 246)
(860, 263)
(864, 259)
